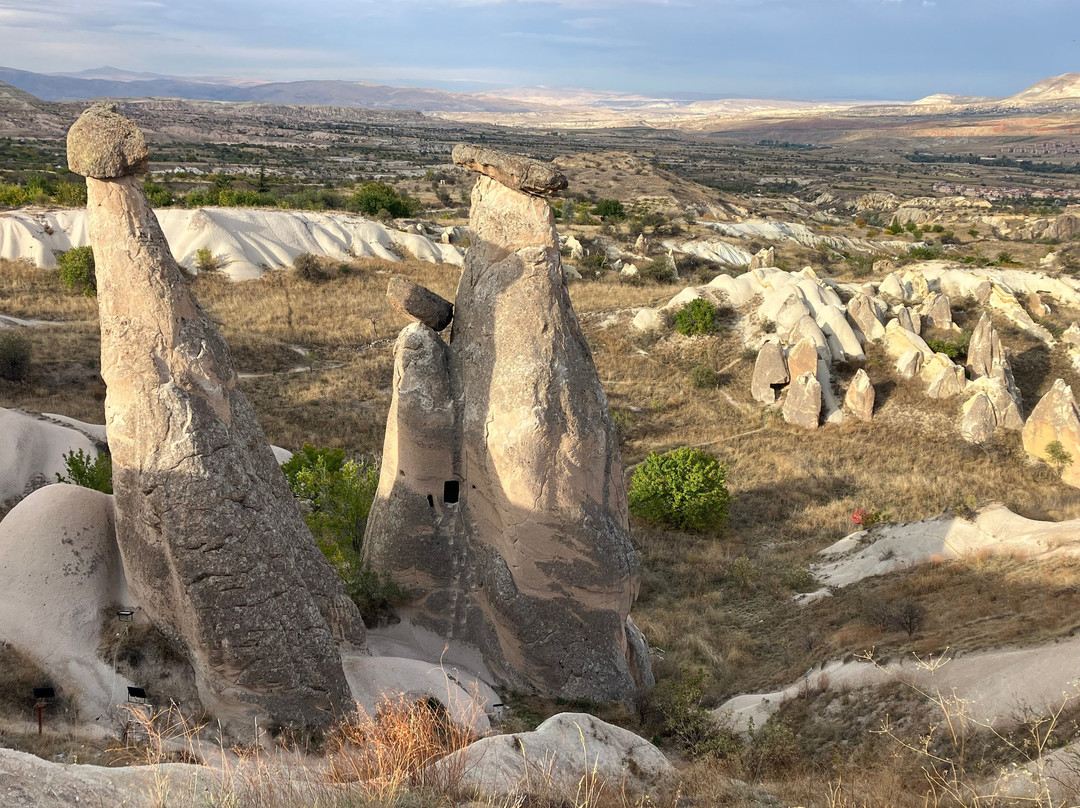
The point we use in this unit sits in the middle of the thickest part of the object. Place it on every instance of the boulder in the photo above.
(863, 315)
(937, 311)
(909, 320)
(859, 400)
(420, 303)
(985, 348)
(641, 245)
(806, 327)
(577, 249)
(105, 145)
(510, 170)
(770, 373)
(802, 406)
(802, 358)
(1055, 419)
(1072, 335)
(950, 381)
(502, 504)
(909, 365)
(765, 257)
(1036, 305)
(979, 421)
(891, 289)
(214, 547)
(566, 756)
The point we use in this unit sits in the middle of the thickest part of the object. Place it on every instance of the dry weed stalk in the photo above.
(947, 774)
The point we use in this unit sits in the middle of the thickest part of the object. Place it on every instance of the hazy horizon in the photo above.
(814, 50)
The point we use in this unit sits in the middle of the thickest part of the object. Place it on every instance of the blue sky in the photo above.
(802, 49)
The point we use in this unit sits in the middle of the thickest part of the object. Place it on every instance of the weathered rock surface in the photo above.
(764, 258)
(514, 172)
(770, 373)
(909, 365)
(949, 382)
(420, 303)
(501, 505)
(802, 358)
(863, 314)
(937, 311)
(859, 400)
(1055, 419)
(104, 144)
(985, 348)
(554, 758)
(214, 547)
(979, 420)
(909, 320)
(802, 406)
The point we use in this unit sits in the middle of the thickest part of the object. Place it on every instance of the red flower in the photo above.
(858, 517)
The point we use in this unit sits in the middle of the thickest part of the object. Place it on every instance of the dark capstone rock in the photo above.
(513, 171)
(104, 144)
(420, 303)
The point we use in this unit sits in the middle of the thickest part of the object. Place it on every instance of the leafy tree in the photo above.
(684, 489)
(1058, 457)
(15, 356)
(205, 260)
(610, 210)
(77, 270)
(157, 195)
(373, 197)
(89, 472)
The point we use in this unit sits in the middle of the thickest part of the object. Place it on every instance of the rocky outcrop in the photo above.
(765, 257)
(420, 303)
(910, 364)
(554, 761)
(802, 358)
(909, 320)
(1056, 419)
(937, 311)
(859, 400)
(863, 314)
(802, 406)
(948, 382)
(213, 545)
(501, 506)
(979, 421)
(985, 348)
(770, 373)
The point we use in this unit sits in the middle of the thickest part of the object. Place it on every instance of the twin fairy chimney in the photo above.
(502, 504)
(214, 548)
(501, 507)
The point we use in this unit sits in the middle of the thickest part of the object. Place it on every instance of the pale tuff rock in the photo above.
(909, 365)
(641, 245)
(420, 303)
(764, 258)
(551, 761)
(214, 547)
(950, 381)
(514, 172)
(891, 289)
(577, 249)
(863, 314)
(1072, 335)
(908, 320)
(806, 329)
(979, 420)
(501, 505)
(1038, 308)
(802, 358)
(802, 406)
(1055, 418)
(104, 145)
(859, 400)
(985, 348)
(770, 373)
(937, 311)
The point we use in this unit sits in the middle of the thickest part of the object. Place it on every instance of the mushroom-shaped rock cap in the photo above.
(513, 171)
(420, 303)
(103, 144)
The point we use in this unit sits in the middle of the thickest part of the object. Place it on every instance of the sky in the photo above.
(784, 49)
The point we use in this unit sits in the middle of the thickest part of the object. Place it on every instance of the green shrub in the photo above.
(1058, 457)
(339, 493)
(683, 489)
(89, 472)
(954, 349)
(70, 194)
(696, 317)
(15, 356)
(205, 260)
(658, 271)
(77, 270)
(685, 724)
(610, 209)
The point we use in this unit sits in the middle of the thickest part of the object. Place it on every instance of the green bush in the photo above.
(15, 356)
(685, 724)
(89, 472)
(205, 260)
(683, 489)
(704, 377)
(696, 317)
(372, 198)
(954, 349)
(610, 210)
(77, 270)
(307, 266)
(339, 493)
(658, 271)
